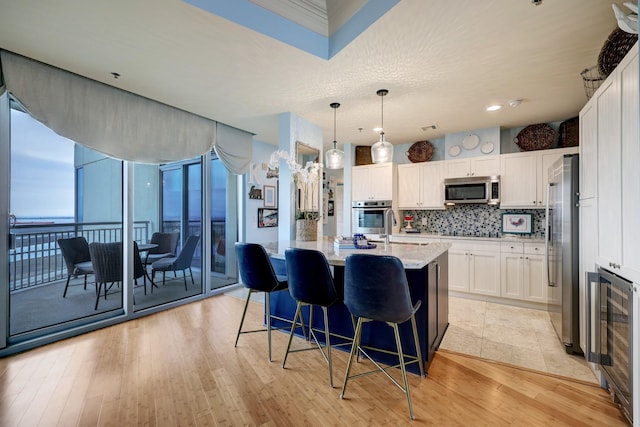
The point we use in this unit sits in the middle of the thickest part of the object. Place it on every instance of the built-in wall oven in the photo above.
(368, 216)
(613, 330)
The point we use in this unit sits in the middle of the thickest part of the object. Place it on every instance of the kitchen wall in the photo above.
(479, 220)
(257, 178)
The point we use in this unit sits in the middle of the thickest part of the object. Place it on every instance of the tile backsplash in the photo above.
(479, 220)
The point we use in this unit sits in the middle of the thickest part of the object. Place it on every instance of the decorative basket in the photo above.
(421, 151)
(614, 49)
(569, 133)
(363, 155)
(540, 136)
(592, 80)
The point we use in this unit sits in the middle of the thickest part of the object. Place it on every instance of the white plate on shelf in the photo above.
(470, 142)
(455, 151)
(487, 148)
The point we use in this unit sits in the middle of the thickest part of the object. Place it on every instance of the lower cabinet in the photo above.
(523, 271)
(475, 267)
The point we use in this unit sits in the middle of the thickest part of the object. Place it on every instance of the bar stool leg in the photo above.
(244, 312)
(403, 369)
(267, 302)
(354, 347)
(328, 344)
(417, 341)
(293, 329)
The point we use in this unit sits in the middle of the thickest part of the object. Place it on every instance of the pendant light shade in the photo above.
(334, 158)
(382, 151)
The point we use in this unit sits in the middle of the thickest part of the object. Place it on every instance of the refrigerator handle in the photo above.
(547, 239)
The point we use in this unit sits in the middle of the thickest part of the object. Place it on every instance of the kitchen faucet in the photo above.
(388, 225)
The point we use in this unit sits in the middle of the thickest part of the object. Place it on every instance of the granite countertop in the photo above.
(412, 256)
(447, 237)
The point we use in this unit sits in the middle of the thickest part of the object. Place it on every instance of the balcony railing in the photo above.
(35, 257)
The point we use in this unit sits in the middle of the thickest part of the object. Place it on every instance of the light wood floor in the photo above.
(179, 367)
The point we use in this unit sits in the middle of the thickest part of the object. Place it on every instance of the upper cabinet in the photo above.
(373, 182)
(618, 176)
(588, 151)
(524, 177)
(420, 185)
(474, 166)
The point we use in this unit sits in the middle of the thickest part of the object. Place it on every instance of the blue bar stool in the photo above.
(376, 289)
(310, 284)
(258, 275)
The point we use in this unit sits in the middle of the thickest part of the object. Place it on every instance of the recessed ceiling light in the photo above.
(377, 129)
(494, 107)
(515, 103)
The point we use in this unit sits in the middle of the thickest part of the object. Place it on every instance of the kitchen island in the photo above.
(426, 267)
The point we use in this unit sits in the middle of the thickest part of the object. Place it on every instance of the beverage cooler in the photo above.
(610, 333)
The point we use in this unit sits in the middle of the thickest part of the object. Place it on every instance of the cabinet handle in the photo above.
(511, 247)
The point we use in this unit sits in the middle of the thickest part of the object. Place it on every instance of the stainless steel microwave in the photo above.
(477, 189)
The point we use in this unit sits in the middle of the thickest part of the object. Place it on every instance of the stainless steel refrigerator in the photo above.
(562, 251)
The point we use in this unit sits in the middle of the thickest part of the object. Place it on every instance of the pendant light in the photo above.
(382, 151)
(334, 157)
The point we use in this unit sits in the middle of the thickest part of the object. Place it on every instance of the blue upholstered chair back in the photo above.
(375, 287)
(310, 279)
(255, 267)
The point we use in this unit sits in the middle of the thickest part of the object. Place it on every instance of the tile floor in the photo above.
(514, 335)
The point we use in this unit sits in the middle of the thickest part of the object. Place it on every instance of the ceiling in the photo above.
(443, 62)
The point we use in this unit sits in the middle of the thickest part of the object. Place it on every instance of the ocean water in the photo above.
(23, 220)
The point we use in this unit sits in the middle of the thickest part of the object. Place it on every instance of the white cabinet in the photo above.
(474, 166)
(373, 182)
(618, 173)
(474, 267)
(420, 185)
(588, 238)
(518, 180)
(588, 151)
(545, 159)
(524, 177)
(523, 271)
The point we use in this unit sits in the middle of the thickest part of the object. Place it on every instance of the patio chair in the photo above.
(107, 266)
(167, 246)
(138, 269)
(181, 262)
(75, 252)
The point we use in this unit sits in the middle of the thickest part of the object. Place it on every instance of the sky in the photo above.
(42, 170)
(43, 175)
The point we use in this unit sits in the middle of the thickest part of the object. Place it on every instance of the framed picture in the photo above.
(330, 208)
(515, 223)
(267, 217)
(270, 197)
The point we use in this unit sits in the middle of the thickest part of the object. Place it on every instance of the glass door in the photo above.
(223, 226)
(63, 198)
(177, 274)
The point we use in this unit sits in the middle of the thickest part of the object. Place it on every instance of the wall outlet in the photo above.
(423, 221)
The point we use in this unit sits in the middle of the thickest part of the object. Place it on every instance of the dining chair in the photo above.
(138, 269)
(167, 246)
(180, 263)
(75, 252)
(107, 265)
(311, 284)
(258, 275)
(376, 289)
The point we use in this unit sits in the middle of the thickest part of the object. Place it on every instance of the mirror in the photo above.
(307, 195)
